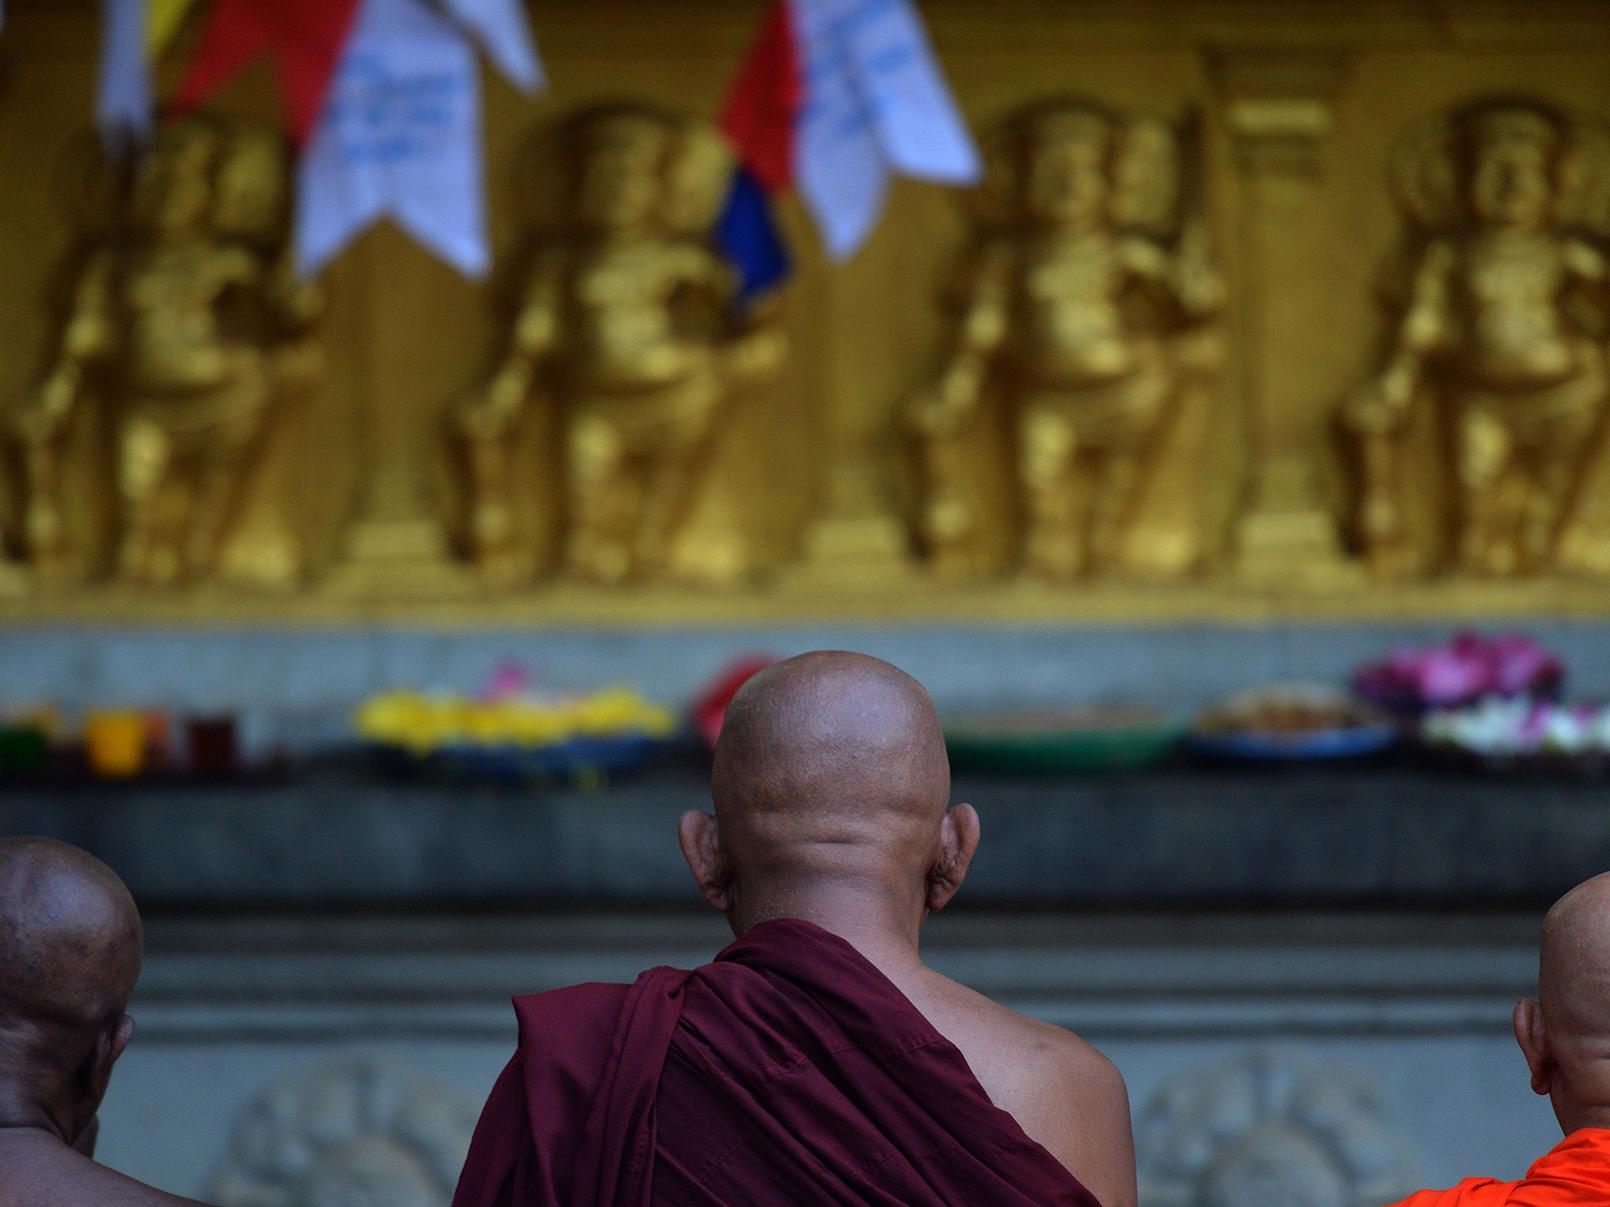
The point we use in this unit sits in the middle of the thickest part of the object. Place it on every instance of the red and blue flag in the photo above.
(834, 96)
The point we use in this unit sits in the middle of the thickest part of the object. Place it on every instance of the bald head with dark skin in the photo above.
(1565, 1034)
(70, 951)
(832, 805)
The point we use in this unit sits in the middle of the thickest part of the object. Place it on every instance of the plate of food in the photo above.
(1292, 722)
(1037, 741)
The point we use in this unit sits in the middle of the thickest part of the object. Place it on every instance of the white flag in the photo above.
(505, 33)
(400, 136)
(875, 103)
(123, 103)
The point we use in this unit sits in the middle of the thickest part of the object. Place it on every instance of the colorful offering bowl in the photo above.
(516, 738)
(1292, 723)
(1051, 743)
(1468, 668)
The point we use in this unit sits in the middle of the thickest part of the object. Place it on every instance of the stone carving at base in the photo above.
(1496, 360)
(185, 325)
(360, 1134)
(630, 330)
(1068, 405)
(1271, 1129)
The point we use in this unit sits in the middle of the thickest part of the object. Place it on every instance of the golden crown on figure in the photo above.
(1494, 365)
(1068, 410)
(185, 327)
(629, 332)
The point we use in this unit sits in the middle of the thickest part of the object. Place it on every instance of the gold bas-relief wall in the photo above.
(1266, 308)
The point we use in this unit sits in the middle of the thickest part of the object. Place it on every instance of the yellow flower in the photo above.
(422, 723)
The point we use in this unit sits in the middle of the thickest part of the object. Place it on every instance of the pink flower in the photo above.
(1466, 668)
(1443, 676)
(507, 680)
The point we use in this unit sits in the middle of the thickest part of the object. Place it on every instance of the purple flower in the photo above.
(1466, 668)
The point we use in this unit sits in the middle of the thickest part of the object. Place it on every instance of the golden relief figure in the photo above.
(1082, 317)
(630, 327)
(1478, 443)
(185, 323)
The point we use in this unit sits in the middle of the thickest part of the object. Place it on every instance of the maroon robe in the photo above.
(790, 1070)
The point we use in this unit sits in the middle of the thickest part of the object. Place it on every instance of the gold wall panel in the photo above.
(1300, 104)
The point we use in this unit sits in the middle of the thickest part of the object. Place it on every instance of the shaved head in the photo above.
(1574, 969)
(827, 758)
(70, 946)
(1565, 1033)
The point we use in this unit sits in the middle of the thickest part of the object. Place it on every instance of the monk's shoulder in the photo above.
(1041, 1039)
(1081, 1069)
(1040, 1053)
(1080, 1114)
(25, 1165)
(36, 1169)
(1063, 1092)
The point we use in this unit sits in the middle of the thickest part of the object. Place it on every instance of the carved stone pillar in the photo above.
(1277, 106)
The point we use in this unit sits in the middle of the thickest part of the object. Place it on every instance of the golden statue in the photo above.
(185, 323)
(1495, 352)
(629, 324)
(1083, 312)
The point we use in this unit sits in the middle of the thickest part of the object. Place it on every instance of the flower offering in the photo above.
(1461, 671)
(422, 722)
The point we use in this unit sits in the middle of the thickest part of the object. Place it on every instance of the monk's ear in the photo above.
(1532, 1036)
(96, 1074)
(958, 839)
(701, 847)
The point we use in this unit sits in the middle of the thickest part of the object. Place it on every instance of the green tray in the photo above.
(1010, 747)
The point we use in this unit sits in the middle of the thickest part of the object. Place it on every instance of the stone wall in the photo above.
(1298, 1061)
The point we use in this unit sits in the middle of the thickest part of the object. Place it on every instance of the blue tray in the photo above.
(1352, 743)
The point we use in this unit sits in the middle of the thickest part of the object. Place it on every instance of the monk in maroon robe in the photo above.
(817, 1060)
(70, 948)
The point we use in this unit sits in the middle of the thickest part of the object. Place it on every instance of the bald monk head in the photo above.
(70, 950)
(831, 778)
(832, 805)
(1565, 1034)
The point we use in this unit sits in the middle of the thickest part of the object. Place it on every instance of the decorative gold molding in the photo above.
(1279, 110)
(799, 601)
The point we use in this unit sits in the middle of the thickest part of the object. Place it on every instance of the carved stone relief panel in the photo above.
(356, 1134)
(1271, 1129)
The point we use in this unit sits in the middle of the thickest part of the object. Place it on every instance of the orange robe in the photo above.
(1575, 1174)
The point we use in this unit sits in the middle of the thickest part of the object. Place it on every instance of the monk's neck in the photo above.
(870, 918)
(24, 1108)
(33, 1095)
(1595, 1115)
